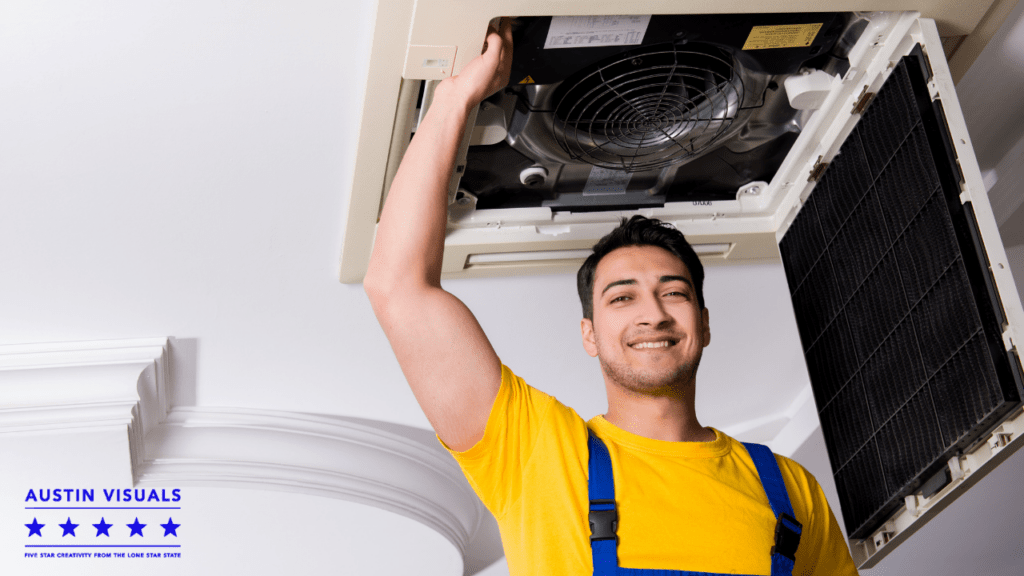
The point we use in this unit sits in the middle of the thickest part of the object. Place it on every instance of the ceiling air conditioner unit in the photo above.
(833, 141)
(716, 131)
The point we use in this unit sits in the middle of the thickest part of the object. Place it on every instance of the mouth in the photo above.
(655, 344)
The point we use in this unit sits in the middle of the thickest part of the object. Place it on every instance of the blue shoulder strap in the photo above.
(603, 515)
(787, 529)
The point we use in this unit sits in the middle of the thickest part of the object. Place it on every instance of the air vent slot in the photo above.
(503, 258)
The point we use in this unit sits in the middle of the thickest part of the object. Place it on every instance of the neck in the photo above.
(671, 418)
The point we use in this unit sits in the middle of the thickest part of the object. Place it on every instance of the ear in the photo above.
(589, 342)
(706, 327)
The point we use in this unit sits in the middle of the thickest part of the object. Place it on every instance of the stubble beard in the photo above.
(652, 382)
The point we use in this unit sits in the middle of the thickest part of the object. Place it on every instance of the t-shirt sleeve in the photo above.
(494, 465)
(823, 550)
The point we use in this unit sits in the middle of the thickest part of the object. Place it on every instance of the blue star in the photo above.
(68, 527)
(170, 527)
(136, 527)
(102, 528)
(35, 528)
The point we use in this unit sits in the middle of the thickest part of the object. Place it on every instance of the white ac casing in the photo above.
(433, 39)
(444, 35)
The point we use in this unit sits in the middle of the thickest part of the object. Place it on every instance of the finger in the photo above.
(505, 29)
(493, 39)
(492, 46)
(506, 44)
(487, 38)
(506, 34)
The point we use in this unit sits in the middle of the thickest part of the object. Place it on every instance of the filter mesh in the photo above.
(906, 361)
(889, 118)
(909, 441)
(959, 407)
(907, 181)
(842, 187)
(861, 484)
(927, 248)
(817, 300)
(847, 422)
(878, 305)
(830, 362)
(894, 373)
(804, 244)
(860, 253)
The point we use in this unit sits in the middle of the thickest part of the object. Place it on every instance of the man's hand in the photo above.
(488, 72)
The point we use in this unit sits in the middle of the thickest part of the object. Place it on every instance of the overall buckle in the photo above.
(787, 536)
(603, 522)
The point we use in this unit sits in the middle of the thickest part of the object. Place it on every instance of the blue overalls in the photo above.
(604, 518)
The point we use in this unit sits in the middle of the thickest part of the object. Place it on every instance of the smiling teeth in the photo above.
(662, 344)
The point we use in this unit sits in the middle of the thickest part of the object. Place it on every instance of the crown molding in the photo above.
(317, 455)
(74, 385)
(87, 353)
(127, 384)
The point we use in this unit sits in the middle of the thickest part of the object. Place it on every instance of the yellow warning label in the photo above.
(527, 80)
(785, 36)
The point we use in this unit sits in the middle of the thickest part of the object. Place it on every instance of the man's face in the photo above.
(648, 330)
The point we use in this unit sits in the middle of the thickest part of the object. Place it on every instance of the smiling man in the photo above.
(642, 490)
(645, 320)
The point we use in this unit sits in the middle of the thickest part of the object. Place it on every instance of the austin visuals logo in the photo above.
(121, 523)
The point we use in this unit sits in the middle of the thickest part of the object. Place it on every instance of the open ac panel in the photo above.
(745, 131)
(738, 150)
(908, 316)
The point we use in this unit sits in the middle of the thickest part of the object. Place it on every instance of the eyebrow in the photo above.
(662, 280)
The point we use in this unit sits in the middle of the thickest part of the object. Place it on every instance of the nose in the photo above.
(652, 313)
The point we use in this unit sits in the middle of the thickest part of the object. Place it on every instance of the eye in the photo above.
(619, 299)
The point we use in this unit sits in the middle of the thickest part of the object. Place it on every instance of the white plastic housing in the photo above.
(415, 40)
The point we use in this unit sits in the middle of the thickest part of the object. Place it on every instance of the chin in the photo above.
(651, 381)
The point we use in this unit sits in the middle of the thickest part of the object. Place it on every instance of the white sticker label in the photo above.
(590, 31)
(604, 181)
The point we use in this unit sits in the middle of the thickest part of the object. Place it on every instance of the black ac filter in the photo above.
(898, 315)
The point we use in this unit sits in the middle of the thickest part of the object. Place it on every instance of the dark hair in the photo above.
(639, 231)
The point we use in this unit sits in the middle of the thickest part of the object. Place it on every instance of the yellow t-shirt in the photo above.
(696, 506)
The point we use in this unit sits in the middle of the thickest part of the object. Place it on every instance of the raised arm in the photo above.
(444, 354)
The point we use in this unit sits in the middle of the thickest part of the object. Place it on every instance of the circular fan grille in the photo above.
(649, 109)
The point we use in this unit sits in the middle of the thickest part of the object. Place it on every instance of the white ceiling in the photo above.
(173, 175)
(180, 169)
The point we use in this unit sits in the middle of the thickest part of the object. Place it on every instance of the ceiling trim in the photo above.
(64, 386)
(317, 455)
(127, 384)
